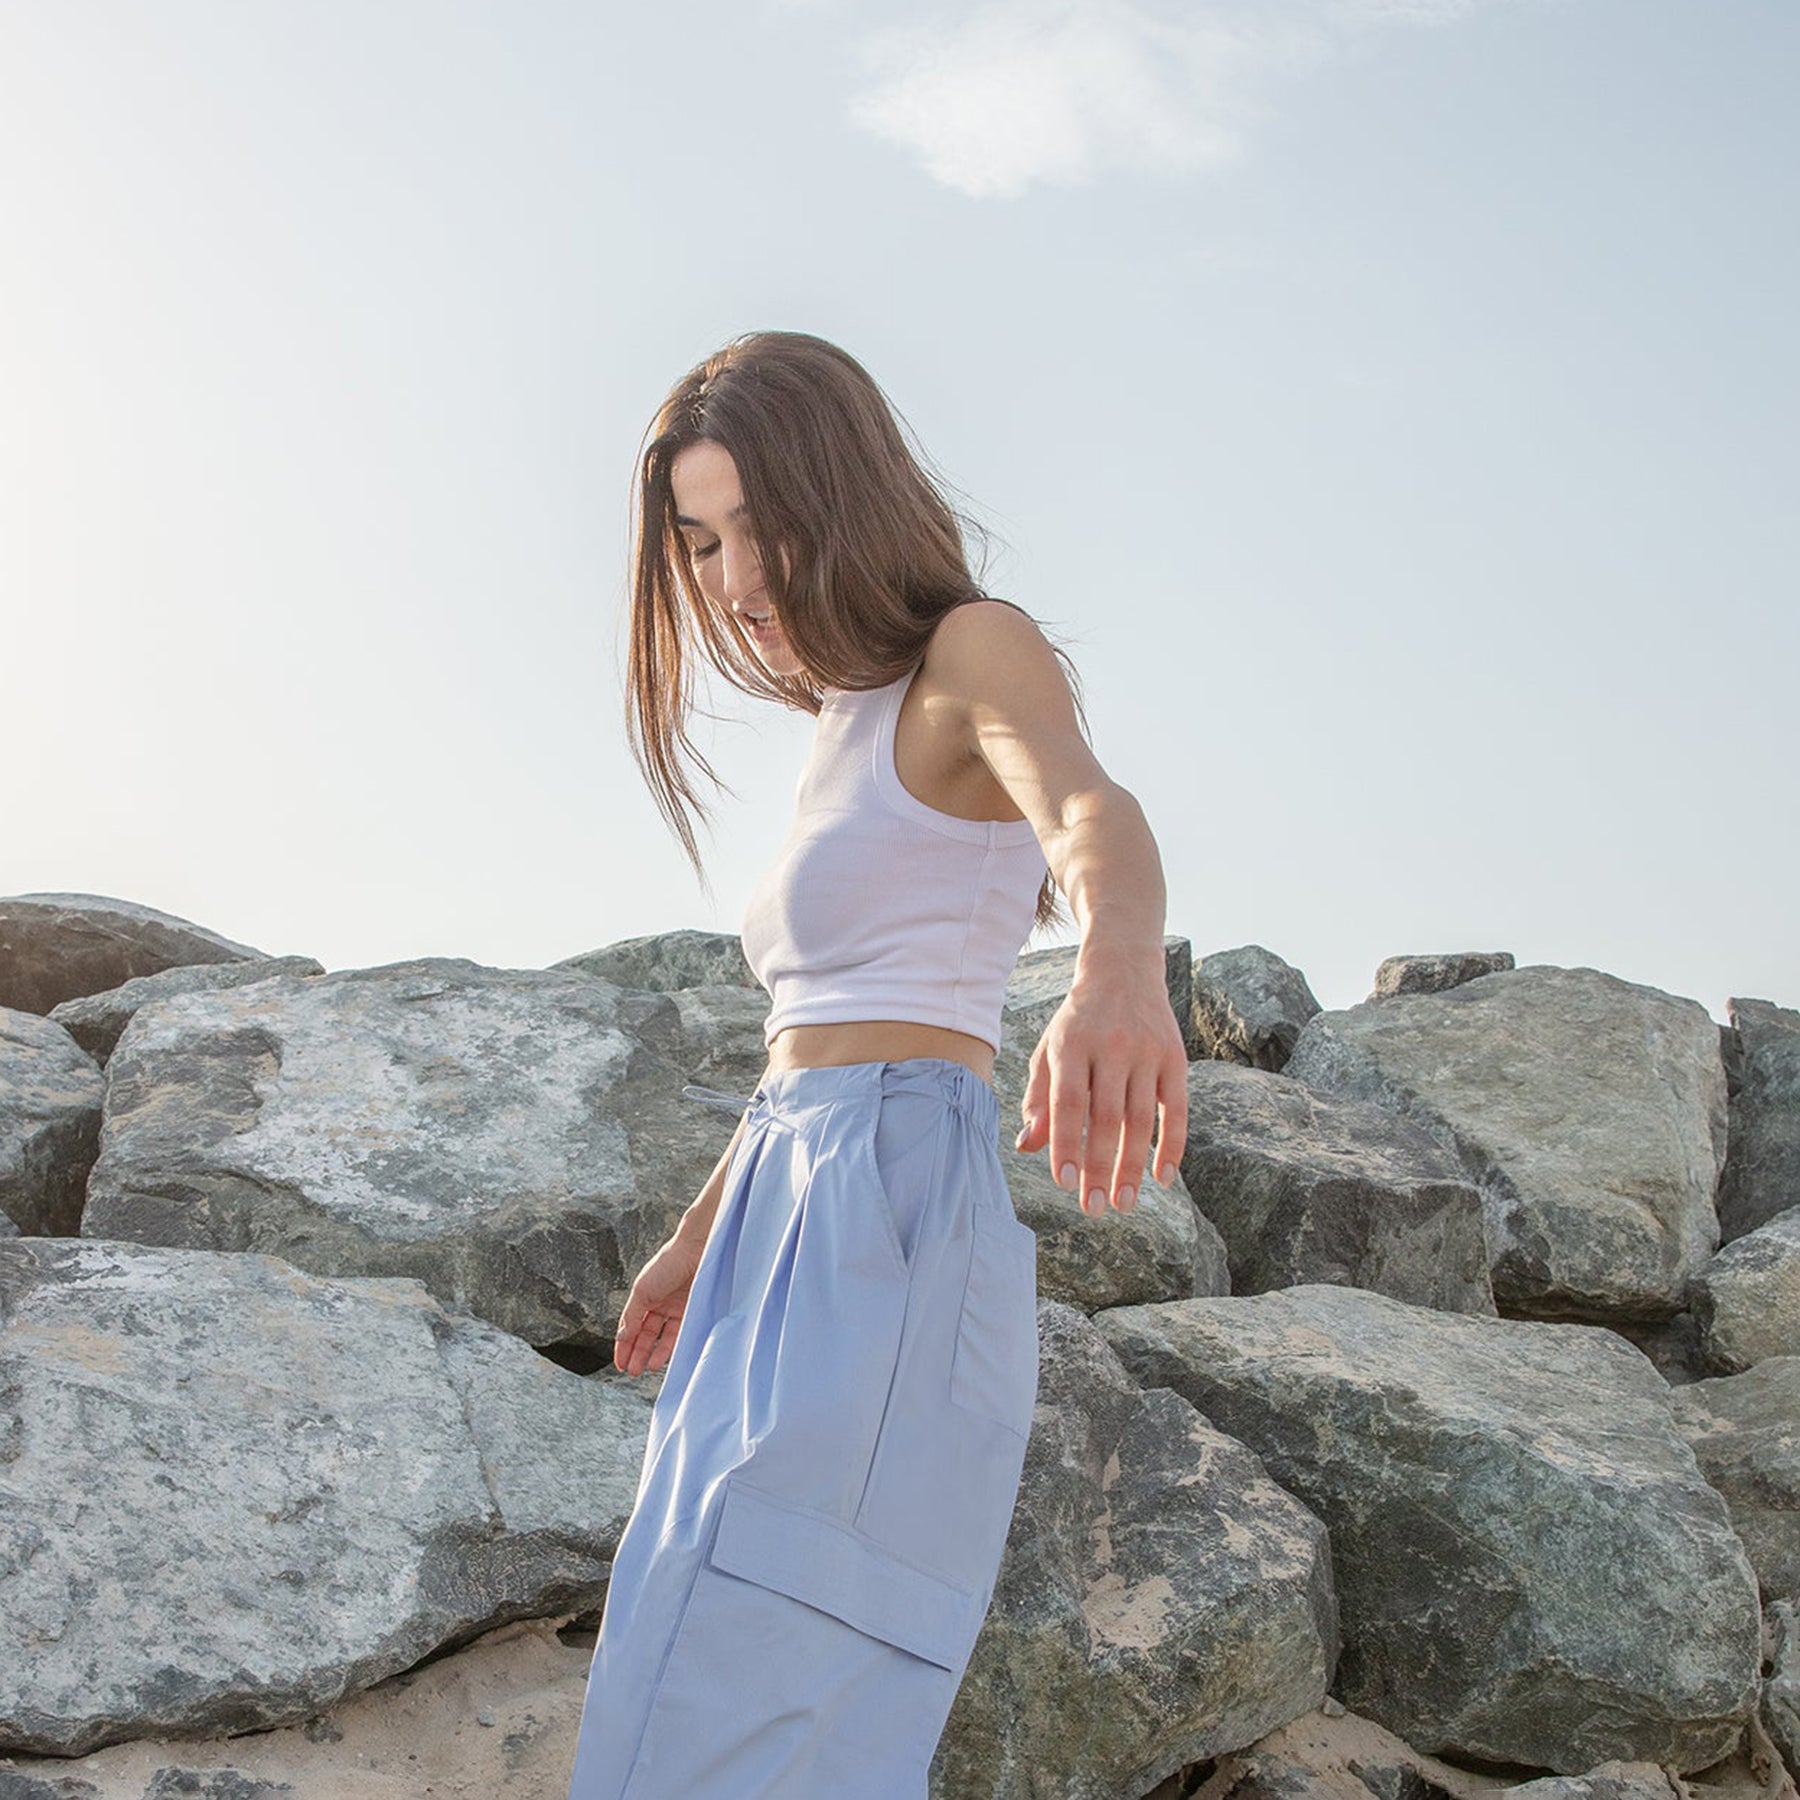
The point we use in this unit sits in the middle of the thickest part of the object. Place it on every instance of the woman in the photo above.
(847, 1312)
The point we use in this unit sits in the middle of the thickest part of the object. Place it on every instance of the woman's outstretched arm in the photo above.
(1112, 1061)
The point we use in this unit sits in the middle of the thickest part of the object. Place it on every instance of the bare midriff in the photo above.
(877, 1040)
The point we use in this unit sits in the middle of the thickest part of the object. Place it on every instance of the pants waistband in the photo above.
(788, 1091)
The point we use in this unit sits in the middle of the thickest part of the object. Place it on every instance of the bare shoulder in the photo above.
(986, 649)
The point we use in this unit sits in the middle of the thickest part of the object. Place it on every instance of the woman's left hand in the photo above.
(1110, 1064)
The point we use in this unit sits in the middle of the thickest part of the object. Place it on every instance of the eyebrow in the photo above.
(736, 512)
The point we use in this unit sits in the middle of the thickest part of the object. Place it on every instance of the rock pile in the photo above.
(1435, 1434)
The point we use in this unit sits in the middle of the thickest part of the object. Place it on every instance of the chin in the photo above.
(782, 661)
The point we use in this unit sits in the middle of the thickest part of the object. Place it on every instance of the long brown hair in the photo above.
(838, 493)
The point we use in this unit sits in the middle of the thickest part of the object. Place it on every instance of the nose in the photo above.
(740, 574)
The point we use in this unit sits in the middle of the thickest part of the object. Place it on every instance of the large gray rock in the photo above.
(515, 1139)
(1164, 1248)
(1250, 1006)
(96, 1021)
(1590, 1112)
(1161, 1599)
(1745, 1433)
(1530, 1567)
(1746, 1301)
(667, 961)
(1781, 1681)
(1762, 1169)
(1433, 974)
(50, 1094)
(235, 1492)
(721, 1037)
(1306, 1188)
(56, 946)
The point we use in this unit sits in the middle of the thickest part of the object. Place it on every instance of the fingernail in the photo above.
(1067, 1177)
(1127, 1199)
(1096, 1200)
(1167, 1174)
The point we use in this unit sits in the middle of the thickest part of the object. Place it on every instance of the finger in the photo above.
(638, 1341)
(1171, 1140)
(626, 1335)
(1068, 1115)
(1105, 1120)
(664, 1347)
(1134, 1137)
(1034, 1108)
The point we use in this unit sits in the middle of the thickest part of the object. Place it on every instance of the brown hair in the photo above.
(836, 488)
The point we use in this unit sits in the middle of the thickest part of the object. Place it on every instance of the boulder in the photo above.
(721, 1037)
(1530, 1567)
(1745, 1434)
(1781, 1681)
(236, 1492)
(1249, 1007)
(96, 1021)
(1746, 1301)
(1589, 1111)
(514, 1139)
(1433, 974)
(667, 961)
(54, 947)
(1306, 1188)
(1762, 1168)
(1160, 1600)
(50, 1095)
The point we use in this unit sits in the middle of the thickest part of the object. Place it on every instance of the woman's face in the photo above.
(709, 507)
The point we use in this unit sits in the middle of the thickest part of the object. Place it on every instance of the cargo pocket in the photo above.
(814, 1558)
(995, 1368)
(802, 1631)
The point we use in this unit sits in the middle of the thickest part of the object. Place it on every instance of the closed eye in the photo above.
(702, 552)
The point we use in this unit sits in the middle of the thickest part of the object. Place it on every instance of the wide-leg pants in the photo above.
(833, 1458)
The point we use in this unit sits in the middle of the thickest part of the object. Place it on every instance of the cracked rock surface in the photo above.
(236, 1491)
(1590, 1111)
(1529, 1565)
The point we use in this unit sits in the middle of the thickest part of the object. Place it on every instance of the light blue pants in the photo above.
(833, 1458)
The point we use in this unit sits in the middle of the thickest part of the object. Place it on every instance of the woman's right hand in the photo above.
(653, 1308)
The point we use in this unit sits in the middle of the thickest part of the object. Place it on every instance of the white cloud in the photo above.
(1006, 93)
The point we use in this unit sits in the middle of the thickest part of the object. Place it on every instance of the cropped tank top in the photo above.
(879, 906)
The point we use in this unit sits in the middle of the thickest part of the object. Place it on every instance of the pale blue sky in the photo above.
(1393, 401)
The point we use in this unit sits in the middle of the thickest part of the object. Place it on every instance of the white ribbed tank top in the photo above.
(879, 906)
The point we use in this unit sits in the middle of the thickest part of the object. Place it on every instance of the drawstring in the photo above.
(725, 1102)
